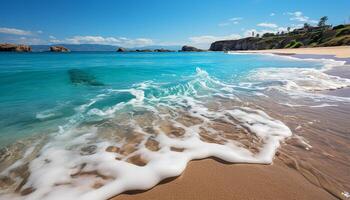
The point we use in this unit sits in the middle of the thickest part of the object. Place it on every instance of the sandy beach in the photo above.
(210, 179)
(338, 52)
(294, 174)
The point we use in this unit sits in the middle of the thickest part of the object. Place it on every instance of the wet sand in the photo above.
(297, 172)
(210, 179)
(339, 52)
(315, 167)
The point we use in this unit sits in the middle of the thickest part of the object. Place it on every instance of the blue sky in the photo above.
(133, 23)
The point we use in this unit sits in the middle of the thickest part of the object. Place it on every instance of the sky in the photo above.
(136, 23)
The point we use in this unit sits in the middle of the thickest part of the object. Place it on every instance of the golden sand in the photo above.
(339, 51)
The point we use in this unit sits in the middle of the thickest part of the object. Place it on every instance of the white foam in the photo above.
(52, 172)
(302, 79)
(291, 80)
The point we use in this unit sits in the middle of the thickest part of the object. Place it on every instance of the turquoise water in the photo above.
(41, 91)
(93, 125)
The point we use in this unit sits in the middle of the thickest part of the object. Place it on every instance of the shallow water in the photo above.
(92, 125)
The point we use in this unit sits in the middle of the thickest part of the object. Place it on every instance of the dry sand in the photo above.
(339, 52)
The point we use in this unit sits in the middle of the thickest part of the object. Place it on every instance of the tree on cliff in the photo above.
(323, 21)
(307, 26)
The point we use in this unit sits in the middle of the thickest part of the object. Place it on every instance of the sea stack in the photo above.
(15, 48)
(190, 48)
(58, 49)
(121, 49)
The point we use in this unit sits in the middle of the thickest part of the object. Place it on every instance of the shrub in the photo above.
(345, 31)
(290, 44)
(268, 34)
(297, 45)
(338, 27)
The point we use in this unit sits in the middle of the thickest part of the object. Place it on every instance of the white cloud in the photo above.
(119, 41)
(234, 20)
(205, 40)
(14, 31)
(39, 31)
(248, 33)
(53, 39)
(267, 25)
(92, 40)
(299, 16)
(26, 40)
(272, 14)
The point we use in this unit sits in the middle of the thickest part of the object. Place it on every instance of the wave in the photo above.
(150, 137)
(136, 143)
(298, 82)
(302, 79)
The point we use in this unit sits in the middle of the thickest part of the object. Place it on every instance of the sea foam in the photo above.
(149, 138)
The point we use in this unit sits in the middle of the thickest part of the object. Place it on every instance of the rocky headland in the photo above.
(307, 36)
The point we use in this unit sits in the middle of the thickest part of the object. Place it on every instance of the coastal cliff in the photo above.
(58, 49)
(15, 48)
(304, 37)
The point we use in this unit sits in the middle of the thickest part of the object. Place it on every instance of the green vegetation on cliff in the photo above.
(308, 36)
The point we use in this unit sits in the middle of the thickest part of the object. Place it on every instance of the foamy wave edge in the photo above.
(52, 172)
(300, 79)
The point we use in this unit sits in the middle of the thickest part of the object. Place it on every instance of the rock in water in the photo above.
(143, 50)
(78, 76)
(121, 49)
(163, 50)
(15, 48)
(58, 49)
(189, 48)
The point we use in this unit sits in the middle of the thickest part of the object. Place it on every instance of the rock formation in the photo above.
(189, 48)
(15, 48)
(241, 44)
(143, 50)
(58, 49)
(121, 49)
(162, 50)
(312, 37)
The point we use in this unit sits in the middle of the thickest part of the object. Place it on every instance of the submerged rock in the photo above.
(15, 48)
(78, 76)
(58, 49)
(190, 48)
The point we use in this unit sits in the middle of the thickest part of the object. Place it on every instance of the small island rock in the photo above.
(58, 49)
(162, 50)
(15, 48)
(190, 48)
(121, 49)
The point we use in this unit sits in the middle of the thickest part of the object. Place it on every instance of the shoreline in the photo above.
(214, 179)
(340, 52)
(294, 173)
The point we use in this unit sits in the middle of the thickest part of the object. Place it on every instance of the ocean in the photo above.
(91, 125)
